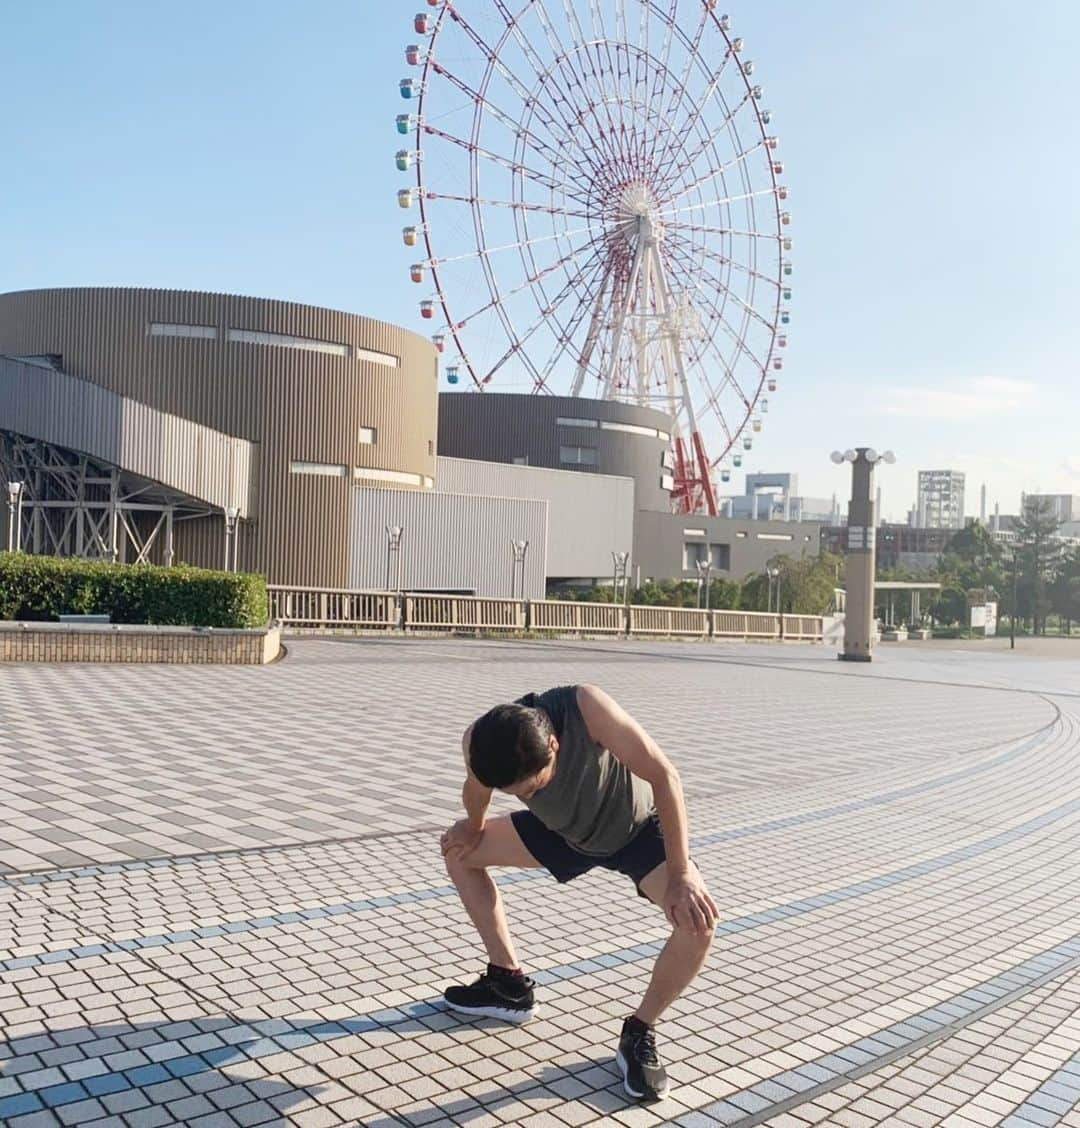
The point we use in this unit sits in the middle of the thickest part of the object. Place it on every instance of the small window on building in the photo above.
(741, 536)
(387, 359)
(667, 459)
(521, 460)
(566, 421)
(322, 469)
(430, 447)
(577, 456)
(287, 341)
(775, 536)
(168, 329)
(720, 555)
(694, 552)
(370, 435)
(397, 477)
(633, 429)
(693, 532)
(667, 482)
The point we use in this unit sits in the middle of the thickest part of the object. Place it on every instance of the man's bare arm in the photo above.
(475, 797)
(687, 902)
(611, 726)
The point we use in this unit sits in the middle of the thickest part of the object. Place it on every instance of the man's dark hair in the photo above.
(509, 743)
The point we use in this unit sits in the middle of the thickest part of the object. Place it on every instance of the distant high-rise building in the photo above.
(776, 497)
(941, 499)
(1064, 507)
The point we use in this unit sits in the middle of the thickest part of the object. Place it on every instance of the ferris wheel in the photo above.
(600, 212)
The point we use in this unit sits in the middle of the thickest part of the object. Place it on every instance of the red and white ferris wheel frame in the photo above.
(694, 486)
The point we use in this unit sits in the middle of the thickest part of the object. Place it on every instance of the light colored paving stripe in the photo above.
(1051, 1100)
(791, 1088)
(1041, 738)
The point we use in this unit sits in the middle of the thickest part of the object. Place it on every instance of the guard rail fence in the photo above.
(328, 609)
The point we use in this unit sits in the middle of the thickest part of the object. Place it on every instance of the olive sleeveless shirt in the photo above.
(593, 801)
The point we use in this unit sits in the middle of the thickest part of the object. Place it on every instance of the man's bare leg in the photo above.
(499, 846)
(679, 962)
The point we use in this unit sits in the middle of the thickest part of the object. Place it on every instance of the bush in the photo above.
(41, 588)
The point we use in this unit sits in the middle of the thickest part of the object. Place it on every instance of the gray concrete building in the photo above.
(563, 433)
(669, 545)
(776, 497)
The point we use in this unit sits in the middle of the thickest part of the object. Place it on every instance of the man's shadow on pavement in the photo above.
(200, 1053)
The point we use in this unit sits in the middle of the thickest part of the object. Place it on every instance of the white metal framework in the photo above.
(71, 505)
(601, 212)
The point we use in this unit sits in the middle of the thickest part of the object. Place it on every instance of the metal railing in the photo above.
(803, 628)
(334, 607)
(577, 618)
(463, 612)
(343, 609)
(671, 621)
(746, 624)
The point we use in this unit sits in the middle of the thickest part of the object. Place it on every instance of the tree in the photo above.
(1040, 551)
(1065, 588)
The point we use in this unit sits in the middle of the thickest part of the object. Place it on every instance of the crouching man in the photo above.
(598, 791)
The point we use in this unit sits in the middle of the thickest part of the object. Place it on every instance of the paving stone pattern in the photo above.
(221, 900)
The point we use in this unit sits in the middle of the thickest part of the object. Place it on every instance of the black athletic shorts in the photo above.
(638, 858)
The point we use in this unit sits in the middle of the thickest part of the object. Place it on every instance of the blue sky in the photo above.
(248, 147)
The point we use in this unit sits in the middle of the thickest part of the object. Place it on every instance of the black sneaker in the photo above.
(508, 997)
(644, 1078)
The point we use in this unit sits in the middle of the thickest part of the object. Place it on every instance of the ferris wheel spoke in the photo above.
(507, 73)
(501, 298)
(530, 241)
(542, 321)
(727, 262)
(709, 302)
(768, 236)
(517, 205)
(719, 202)
(712, 175)
(480, 99)
(508, 163)
(709, 142)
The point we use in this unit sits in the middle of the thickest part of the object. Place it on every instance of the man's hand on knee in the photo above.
(460, 840)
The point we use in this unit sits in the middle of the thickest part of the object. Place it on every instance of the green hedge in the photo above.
(41, 588)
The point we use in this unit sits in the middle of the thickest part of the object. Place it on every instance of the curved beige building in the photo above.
(138, 418)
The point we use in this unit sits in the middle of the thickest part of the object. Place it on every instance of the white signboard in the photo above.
(984, 618)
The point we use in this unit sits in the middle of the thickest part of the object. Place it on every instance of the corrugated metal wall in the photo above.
(451, 542)
(499, 427)
(81, 416)
(589, 515)
(295, 404)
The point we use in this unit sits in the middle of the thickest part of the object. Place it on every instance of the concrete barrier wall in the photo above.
(189, 646)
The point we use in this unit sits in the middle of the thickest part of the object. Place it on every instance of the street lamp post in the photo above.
(393, 551)
(704, 570)
(519, 548)
(861, 552)
(15, 495)
(621, 567)
(773, 574)
(1015, 592)
(232, 515)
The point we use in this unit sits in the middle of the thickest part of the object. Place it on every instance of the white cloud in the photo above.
(1071, 466)
(989, 395)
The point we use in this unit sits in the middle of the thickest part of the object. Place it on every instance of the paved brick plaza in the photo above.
(223, 902)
